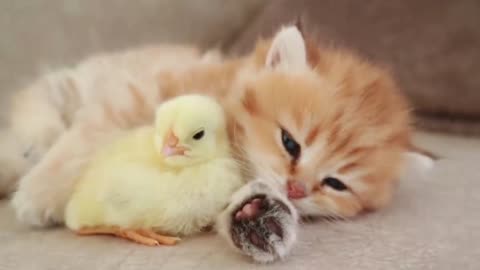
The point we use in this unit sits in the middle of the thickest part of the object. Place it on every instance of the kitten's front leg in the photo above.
(260, 222)
(43, 192)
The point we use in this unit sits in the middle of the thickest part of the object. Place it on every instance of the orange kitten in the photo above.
(319, 126)
(351, 125)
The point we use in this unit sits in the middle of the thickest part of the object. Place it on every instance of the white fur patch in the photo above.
(419, 161)
(417, 165)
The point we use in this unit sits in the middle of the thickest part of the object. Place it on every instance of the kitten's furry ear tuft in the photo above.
(288, 50)
(299, 24)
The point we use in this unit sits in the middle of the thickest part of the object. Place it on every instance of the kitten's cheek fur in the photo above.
(279, 209)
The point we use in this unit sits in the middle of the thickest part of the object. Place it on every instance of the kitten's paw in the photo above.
(262, 226)
(34, 210)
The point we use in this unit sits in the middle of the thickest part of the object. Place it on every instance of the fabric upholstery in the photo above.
(41, 35)
(430, 45)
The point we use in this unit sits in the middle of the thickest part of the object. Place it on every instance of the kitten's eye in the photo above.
(334, 183)
(198, 135)
(291, 146)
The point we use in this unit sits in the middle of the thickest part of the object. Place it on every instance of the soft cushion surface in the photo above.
(433, 223)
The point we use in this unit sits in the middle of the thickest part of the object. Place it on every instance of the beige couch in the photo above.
(434, 222)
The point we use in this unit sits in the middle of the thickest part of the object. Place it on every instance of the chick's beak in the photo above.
(171, 148)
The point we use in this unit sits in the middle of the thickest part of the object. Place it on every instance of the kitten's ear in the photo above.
(288, 50)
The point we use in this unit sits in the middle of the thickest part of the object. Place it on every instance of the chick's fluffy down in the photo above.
(126, 187)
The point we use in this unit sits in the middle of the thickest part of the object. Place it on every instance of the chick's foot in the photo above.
(141, 236)
(162, 239)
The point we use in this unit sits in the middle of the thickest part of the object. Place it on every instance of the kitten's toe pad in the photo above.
(264, 228)
(249, 210)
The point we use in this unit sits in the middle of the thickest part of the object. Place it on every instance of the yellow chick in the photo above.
(157, 182)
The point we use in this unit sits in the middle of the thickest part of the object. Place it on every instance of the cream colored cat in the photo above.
(319, 126)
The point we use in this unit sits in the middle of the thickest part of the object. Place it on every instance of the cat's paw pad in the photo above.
(263, 227)
(250, 209)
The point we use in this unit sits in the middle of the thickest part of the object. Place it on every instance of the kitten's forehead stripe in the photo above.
(349, 168)
(249, 102)
(340, 141)
(312, 135)
(333, 133)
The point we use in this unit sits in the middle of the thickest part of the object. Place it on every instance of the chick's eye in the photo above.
(334, 183)
(290, 145)
(198, 135)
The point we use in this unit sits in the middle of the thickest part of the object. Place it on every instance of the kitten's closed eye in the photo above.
(334, 183)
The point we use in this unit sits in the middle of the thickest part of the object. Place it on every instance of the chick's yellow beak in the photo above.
(171, 147)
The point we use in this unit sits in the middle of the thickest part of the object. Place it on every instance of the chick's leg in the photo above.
(162, 239)
(141, 236)
(128, 234)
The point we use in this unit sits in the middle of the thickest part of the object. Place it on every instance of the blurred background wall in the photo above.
(37, 35)
(432, 46)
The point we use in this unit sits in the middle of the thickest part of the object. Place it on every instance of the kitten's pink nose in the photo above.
(296, 190)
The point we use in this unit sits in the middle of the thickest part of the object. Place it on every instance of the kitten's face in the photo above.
(333, 144)
(328, 157)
